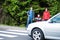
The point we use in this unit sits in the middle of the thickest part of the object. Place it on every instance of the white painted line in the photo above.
(23, 34)
(18, 30)
(1, 38)
(6, 35)
(51, 37)
(13, 33)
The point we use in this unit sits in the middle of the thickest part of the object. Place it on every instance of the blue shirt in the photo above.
(30, 14)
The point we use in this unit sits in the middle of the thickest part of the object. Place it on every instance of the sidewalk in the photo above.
(5, 27)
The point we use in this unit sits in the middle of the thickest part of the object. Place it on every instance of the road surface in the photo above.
(15, 35)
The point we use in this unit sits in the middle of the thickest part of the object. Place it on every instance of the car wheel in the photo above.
(37, 34)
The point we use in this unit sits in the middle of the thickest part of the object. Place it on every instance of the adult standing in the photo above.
(30, 14)
(46, 14)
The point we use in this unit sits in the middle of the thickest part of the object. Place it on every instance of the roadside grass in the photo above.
(22, 26)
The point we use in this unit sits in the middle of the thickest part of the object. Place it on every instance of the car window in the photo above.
(56, 19)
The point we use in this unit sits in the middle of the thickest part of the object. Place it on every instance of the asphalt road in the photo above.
(15, 35)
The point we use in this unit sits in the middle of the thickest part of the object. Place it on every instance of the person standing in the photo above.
(30, 14)
(46, 15)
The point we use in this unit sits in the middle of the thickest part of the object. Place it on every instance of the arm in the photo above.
(27, 12)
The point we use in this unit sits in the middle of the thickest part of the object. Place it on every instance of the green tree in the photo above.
(14, 11)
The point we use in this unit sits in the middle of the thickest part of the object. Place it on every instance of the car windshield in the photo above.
(56, 19)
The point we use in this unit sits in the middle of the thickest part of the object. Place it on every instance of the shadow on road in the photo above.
(52, 39)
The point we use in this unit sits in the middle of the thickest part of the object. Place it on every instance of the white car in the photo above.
(45, 29)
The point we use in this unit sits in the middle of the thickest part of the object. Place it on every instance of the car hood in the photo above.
(38, 23)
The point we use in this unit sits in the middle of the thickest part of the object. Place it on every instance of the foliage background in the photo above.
(13, 12)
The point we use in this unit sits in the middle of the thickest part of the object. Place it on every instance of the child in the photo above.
(38, 18)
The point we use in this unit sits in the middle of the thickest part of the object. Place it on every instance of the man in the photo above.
(46, 14)
(30, 14)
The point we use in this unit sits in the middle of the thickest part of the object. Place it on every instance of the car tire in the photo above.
(37, 34)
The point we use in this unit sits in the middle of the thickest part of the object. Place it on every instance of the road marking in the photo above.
(1, 38)
(6, 35)
(13, 33)
(18, 30)
(51, 37)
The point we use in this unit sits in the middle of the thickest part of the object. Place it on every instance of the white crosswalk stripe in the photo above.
(12, 33)
(6, 35)
(17, 30)
(1, 38)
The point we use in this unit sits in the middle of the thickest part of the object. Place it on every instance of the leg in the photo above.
(30, 21)
(27, 22)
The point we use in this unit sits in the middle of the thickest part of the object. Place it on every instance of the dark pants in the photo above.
(29, 20)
